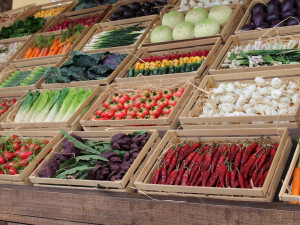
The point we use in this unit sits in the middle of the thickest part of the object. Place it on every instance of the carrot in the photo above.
(66, 47)
(62, 44)
(54, 44)
(55, 51)
(60, 50)
(50, 52)
(41, 53)
(33, 52)
(28, 53)
(38, 51)
(296, 182)
(70, 38)
(46, 51)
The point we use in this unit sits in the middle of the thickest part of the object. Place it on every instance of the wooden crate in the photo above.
(16, 94)
(23, 67)
(100, 10)
(53, 137)
(213, 45)
(101, 27)
(162, 123)
(8, 121)
(105, 81)
(286, 30)
(128, 2)
(265, 193)
(189, 122)
(226, 31)
(22, 10)
(236, 40)
(121, 185)
(87, 11)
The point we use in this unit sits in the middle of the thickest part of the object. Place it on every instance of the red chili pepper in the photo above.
(233, 151)
(255, 164)
(248, 165)
(222, 172)
(173, 163)
(196, 176)
(198, 181)
(180, 173)
(267, 165)
(232, 178)
(241, 180)
(260, 174)
(186, 176)
(248, 152)
(227, 179)
(276, 146)
(156, 176)
(262, 160)
(220, 161)
(189, 151)
(206, 161)
(254, 176)
(197, 164)
(212, 180)
(169, 155)
(172, 177)
(215, 160)
(263, 178)
(246, 183)
(205, 177)
(163, 175)
(182, 151)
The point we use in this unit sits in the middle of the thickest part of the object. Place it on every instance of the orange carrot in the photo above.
(28, 53)
(62, 44)
(296, 182)
(66, 47)
(70, 38)
(38, 51)
(50, 52)
(60, 50)
(55, 43)
(33, 52)
(41, 53)
(47, 49)
(55, 51)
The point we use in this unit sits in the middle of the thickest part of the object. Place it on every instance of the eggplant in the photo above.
(273, 5)
(123, 8)
(139, 13)
(145, 9)
(157, 3)
(264, 25)
(278, 23)
(258, 7)
(287, 5)
(298, 4)
(115, 16)
(134, 155)
(117, 137)
(258, 18)
(153, 10)
(109, 154)
(247, 27)
(288, 13)
(126, 156)
(135, 6)
(273, 16)
(147, 4)
(293, 21)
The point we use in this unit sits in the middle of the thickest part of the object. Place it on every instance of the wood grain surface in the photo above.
(5, 5)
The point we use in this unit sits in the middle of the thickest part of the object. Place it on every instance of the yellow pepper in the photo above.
(186, 60)
(137, 65)
(147, 65)
(171, 62)
(142, 66)
(152, 64)
(49, 12)
(158, 63)
(197, 59)
(192, 59)
(175, 62)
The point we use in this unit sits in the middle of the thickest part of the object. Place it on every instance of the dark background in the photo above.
(5, 5)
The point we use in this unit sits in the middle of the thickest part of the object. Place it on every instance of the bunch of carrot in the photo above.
(48, 46)
(296, 180)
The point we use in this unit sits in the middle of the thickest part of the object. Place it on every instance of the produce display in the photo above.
(249, 99)
(84, 21)
(5, 104)
(188, 4)
(17, 152)
(81, 67)
(115, 38)
(146, 104)
(86, 4)
(274, 13)
(7, 50)
(196, 23)
(95, 160)
(22, 28)
(49, 46)
(49, 12)
(168, 64)
(51, 106)
(136, 9)
(270, 52)
(221, 164)
(24, 78)
(8, 17)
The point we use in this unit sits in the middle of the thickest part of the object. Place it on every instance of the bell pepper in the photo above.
(177, 69)
(183, 66)
(194, 66)
(152, 64)
(147, 72)
(147, 65)
(142, 66)
(161, 70)
(136, 72)
(175, 62)
(155, 71)
(130, 72)
(142, 71)
(137, 66)
(188, 67)
(172, 69)
(158, 63)
(186, 59)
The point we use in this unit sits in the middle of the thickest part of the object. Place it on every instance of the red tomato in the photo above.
(139, 101)
(156, 95)
(16, 146)
(13, 171)
(167, 93)
(167, 109)
(100, 111)
(128, 104)
(150, 117)
(162, 102)
(163, 115)
(134, 95)
(128, 117)
(173, 101)
(132, 111)
(24, 148)
(34, 147)
(116, 118)
(145, 94)
(156, 111)
(178, 92)
(123, 98)
(94, 118)
(103, 118)
(12, 164)
(115, 97)
(120, 114)
(24, 162)
(142, 112)
(2, 160)
(108, 113)
(2, 172)
(5, 166)
(150, 103)
(114, 106)
(107, 102)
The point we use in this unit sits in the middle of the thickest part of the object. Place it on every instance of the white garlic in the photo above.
(226, 107)
(295, 98)
(276, 82)
(229, 88)
(227, 98)
(276, 94)
(260, 81)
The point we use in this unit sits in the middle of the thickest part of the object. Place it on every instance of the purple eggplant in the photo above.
(273, 6)
(247, 27)
(258, 18)
(287, 5)
(264, 25)
(257, 8)
(277, 23)
(293, 21)
(289, 13)
(273, 16)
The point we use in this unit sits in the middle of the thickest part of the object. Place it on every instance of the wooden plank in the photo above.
(121, 208)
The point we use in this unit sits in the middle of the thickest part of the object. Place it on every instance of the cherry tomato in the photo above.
(13, 171)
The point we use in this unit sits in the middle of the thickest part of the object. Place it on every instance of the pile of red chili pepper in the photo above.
(5, 104)
(217, 165)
